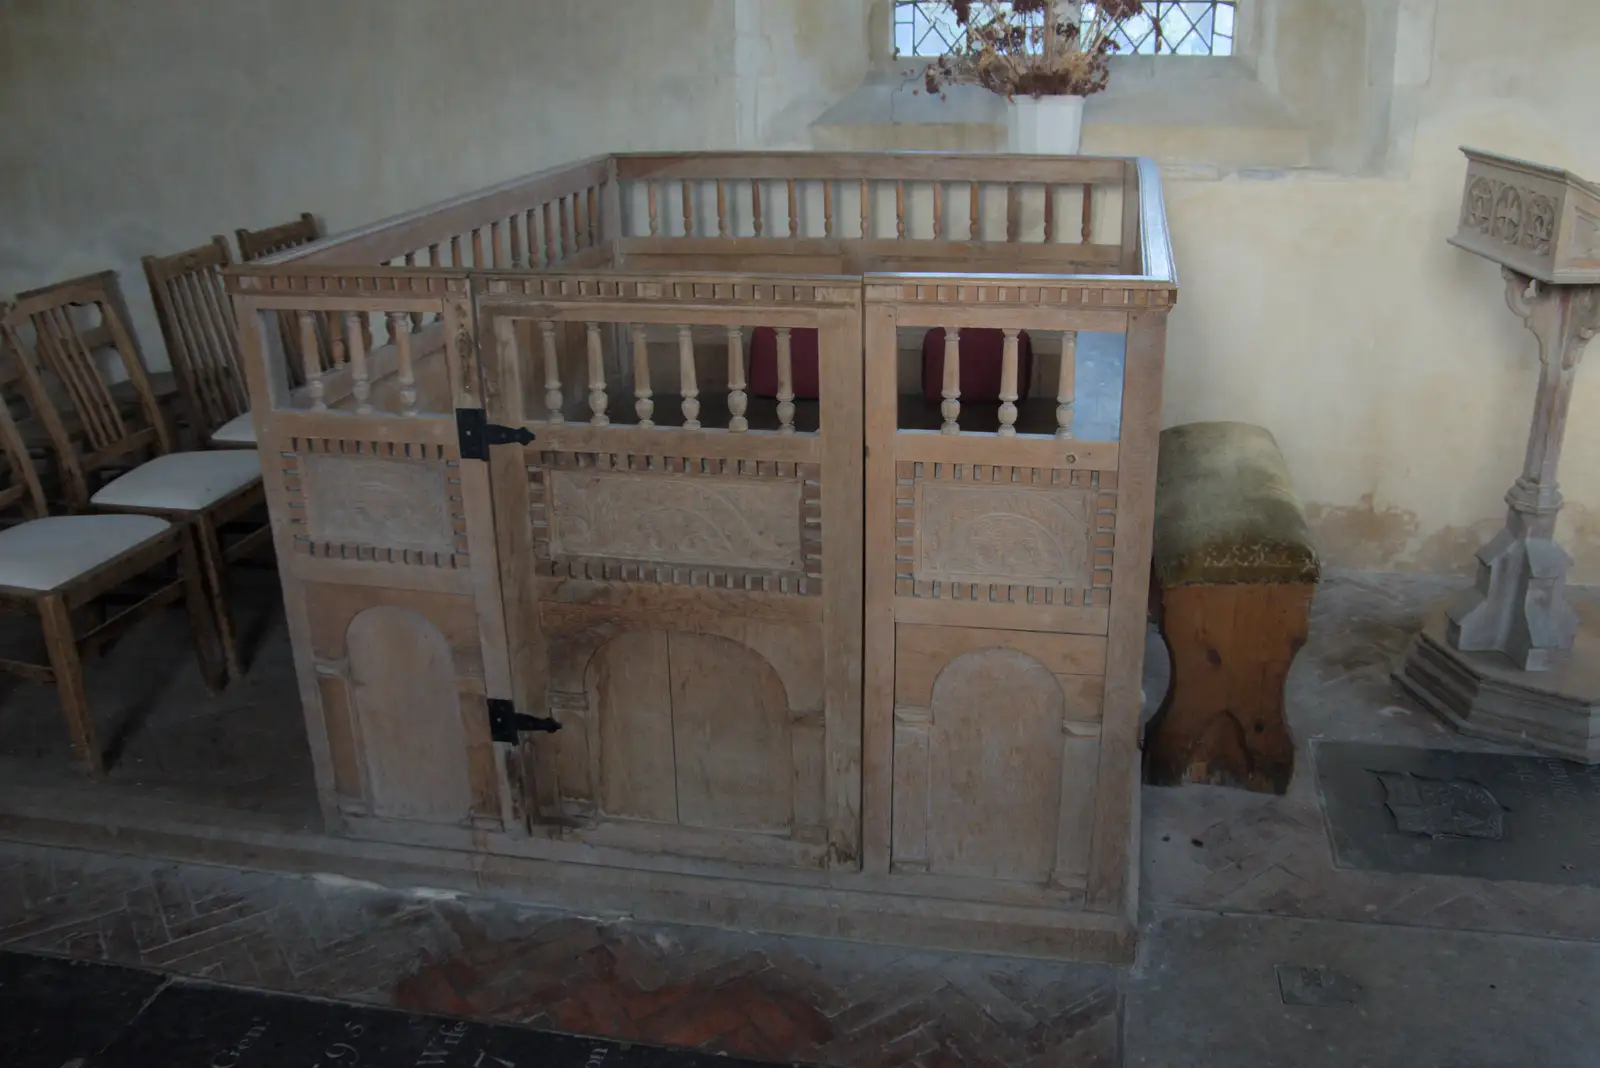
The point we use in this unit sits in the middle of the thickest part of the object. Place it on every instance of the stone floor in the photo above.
(1257, 950)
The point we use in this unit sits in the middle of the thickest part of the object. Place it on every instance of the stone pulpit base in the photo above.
(1511, 660)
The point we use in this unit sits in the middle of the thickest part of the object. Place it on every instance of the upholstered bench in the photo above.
(1232, 577)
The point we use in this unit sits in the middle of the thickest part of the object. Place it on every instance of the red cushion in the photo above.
(802, 362)
(982, 356)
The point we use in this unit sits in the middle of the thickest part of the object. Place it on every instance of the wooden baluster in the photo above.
(1008, 386)
(688, 386)
(900, 210)
(975, 212)
(951, 408)
(550, 255)
(866, 209)
(738, 402)
(400, 335)
(655, 211)
(722, 209)
(597, 378)
(569, 235)
(1066, 387)
(514, 226)
(1013, 213)
(494, 244)
(938, 211)
(785, 382)
(642, 394)
(360, 384)
(477, 247)
(593, 218)
(1049, 213)
(794, 211)
(554, 399)
(311, 361)
(455, 251)
(688, 208)
(1088, 214)
(415, 318)
(433, 255)
(827, 209)
(755, 206)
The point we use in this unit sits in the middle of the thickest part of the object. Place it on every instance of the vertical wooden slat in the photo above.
(688, 386)
(455, 251)
(477, 247)
(866, 209)
(360, 384)
(514, 227)
(311, 361)
(951, 407)
(494, 245)
(785, 381)
(794, 210)
(938, 211)
(688, 208)
(974, 212)
(1088, 214)
(738, 402)
(598, 401)
(1013, 213)
(655, 209)
(722, 209)
(554, 399)
(827, 209)
(900, 210)
(1008, 386)
(1066, 387)
(593, 215)
(1049, 213)
(569, 219)
(755, 206)
(643, 404)
(550, 254)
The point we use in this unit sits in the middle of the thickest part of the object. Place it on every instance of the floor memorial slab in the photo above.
(1443, 812)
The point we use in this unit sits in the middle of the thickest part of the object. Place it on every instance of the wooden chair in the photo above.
(109, 469)
(202, 341)
(54, 566)
(254, 244)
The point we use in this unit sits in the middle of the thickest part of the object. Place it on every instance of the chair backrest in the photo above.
(20, 489)
(202, 337)
(254, 244)
(56, 336)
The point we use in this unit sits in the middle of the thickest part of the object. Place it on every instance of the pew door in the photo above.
(681, 557)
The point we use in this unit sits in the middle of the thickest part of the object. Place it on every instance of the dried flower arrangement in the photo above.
(1032, 47)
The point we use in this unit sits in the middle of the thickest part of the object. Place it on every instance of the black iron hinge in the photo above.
(474, 433)
(506, 723)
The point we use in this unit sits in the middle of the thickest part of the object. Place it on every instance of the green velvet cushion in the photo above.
(1226, 511)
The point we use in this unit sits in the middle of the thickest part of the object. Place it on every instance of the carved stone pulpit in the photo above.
(1511, 659)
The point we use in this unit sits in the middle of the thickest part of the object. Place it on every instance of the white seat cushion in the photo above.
(46, 553)
(240, 430)
(182, 481)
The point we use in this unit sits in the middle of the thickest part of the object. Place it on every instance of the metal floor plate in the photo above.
(1440, 812)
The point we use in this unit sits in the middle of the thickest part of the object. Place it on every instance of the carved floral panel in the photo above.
(1514, 215)
(709, 522)
(1002, 534)
(365, 500)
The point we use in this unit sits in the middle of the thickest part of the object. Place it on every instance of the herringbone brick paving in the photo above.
(772, 998)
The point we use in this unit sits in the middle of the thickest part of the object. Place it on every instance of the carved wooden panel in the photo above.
(1009, 534)
(383, 501)
(1586, 239)
(1538, 220)
(733, 524)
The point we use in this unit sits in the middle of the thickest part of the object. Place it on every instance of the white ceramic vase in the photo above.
(1046, 125)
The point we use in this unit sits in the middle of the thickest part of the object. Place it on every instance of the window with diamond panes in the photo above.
(1167, 27)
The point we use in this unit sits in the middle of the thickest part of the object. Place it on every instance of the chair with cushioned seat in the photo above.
(126, 463)
(53, 566)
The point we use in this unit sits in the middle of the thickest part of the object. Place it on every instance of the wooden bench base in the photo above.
(1222, 720)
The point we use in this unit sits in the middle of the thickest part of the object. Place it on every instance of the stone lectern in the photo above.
(1511, 659)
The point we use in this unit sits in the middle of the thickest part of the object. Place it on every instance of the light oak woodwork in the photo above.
(782, 637)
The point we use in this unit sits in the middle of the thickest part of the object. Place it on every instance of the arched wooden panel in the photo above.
(994, 767)
(731, 732)
(631, 694)
(408, 710)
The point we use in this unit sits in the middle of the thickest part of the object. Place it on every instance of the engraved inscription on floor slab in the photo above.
(1442, 812)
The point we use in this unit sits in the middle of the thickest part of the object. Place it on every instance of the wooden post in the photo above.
(554, 400)
(598, 400)
(1066, 383)
(642, 393)
(1008, 386)
(785, 382)
(360, 384)
(738, 402)
(688, 386)
(951, 408)
(311, 361)
(400, 334)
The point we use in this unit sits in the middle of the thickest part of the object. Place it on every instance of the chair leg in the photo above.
(215, 566)
(203, 627)
(62, 644)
